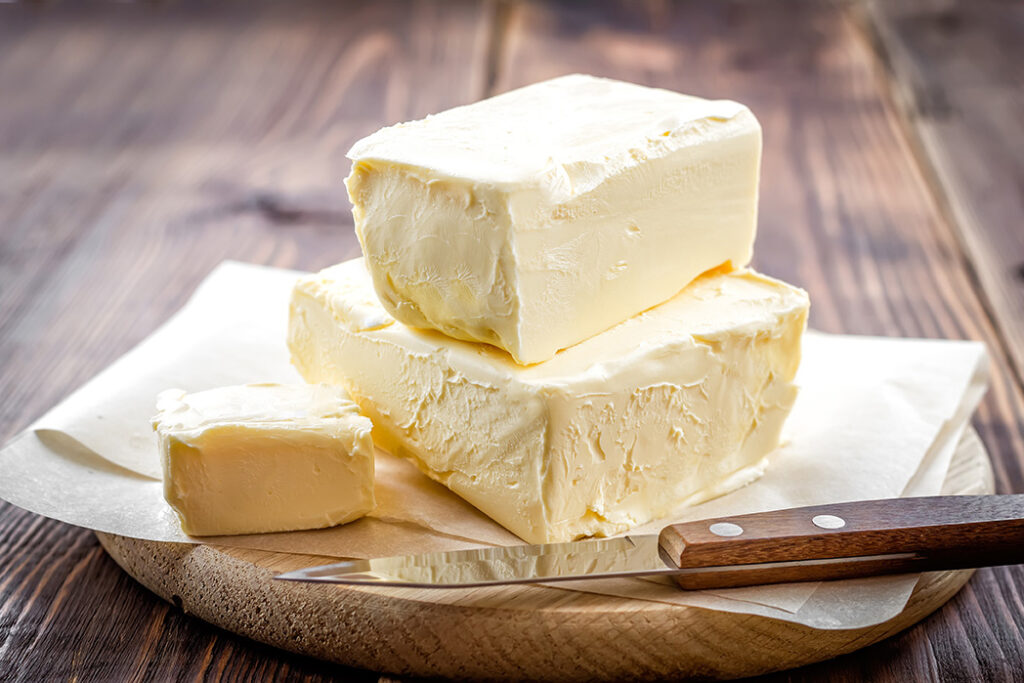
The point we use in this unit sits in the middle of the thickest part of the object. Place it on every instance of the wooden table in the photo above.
(142, 144)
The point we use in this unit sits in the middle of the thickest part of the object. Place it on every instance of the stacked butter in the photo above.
(553, 316)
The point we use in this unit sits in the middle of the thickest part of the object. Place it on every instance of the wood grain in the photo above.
(210, 133)
(845, 212)
(69, 613)
(957, 76)
(142, 144)
(523, 632)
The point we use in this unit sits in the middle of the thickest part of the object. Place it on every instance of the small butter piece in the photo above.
(678, 404)
(538, 218)
(264, 457)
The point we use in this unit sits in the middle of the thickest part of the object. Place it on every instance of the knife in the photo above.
(823, 542)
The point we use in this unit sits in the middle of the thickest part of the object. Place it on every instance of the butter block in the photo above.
(538, 218)
(675, 405)
(264, 457)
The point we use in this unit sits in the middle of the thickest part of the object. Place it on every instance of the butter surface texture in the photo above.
(675, 405)
(538, 218)
(264, 457)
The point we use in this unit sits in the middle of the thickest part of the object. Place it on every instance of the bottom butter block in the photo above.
(675, 405)
(264, 457)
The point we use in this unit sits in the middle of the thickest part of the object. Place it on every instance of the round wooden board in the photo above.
(532, 632)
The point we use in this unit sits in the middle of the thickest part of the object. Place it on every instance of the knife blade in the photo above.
(823, 542)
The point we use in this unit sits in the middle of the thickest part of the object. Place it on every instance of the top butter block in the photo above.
(538, 218)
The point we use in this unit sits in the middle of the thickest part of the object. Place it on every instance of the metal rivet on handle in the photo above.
(725, 529)
(828, 521)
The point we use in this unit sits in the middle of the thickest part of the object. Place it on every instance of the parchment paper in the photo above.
(876, 418)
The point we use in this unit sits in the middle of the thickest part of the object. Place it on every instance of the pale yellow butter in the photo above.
(264, 457)
(538, 218)
(680, 403)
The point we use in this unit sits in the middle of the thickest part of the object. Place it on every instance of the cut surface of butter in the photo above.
(538, 218)
(264, 457)
(675, 405)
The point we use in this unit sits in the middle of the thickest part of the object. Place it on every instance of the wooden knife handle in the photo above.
(887, 536)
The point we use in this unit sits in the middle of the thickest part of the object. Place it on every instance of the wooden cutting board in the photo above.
(532, 632)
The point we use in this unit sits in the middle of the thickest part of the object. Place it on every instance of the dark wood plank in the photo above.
(141, 146)
(845, 213)
(957, 71)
